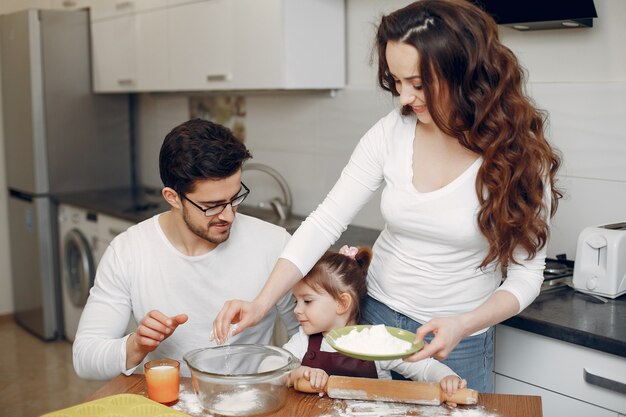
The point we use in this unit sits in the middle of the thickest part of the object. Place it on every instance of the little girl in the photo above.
(329, 297)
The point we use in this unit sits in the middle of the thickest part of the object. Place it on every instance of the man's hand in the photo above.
(154, 328)
(242, 313)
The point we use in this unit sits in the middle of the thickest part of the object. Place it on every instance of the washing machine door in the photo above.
(78, 269)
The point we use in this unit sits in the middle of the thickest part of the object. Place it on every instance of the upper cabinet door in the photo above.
(152, 50)
(200, 45)
(113, 54)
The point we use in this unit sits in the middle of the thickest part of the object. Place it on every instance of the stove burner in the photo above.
(555, 268)
(557, 274)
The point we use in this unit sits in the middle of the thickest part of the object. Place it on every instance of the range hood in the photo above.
(540, 14)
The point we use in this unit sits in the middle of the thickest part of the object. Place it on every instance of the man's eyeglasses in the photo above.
(215, 210)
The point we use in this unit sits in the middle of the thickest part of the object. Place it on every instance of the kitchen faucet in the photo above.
(281, 207)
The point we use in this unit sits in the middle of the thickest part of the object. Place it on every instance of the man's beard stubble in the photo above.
(216, 239)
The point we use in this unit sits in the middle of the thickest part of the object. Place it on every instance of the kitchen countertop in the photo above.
(576, 318)
(134, 205)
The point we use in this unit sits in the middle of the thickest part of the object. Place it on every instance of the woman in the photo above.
(469, 189)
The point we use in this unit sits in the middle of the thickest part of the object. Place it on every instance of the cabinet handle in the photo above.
(69, 3)
(217, 77)
(604, 382)
(125, 81)
(124, 5)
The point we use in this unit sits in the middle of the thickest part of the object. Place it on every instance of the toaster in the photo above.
(600, 266)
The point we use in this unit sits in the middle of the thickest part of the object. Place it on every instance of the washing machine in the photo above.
(84, 236)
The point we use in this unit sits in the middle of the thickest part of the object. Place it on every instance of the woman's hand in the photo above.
(154, 328)
(448, 332)
(248, 313)
(242, 313)
(450, 385)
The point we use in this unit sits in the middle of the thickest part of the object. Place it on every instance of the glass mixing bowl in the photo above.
(240, 380)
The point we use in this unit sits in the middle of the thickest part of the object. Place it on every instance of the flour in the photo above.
(188, 403)
(237, 402)
(375, 340)
(347, 408)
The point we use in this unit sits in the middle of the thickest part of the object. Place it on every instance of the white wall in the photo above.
(578, 75)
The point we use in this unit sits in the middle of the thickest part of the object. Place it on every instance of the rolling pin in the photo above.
(413, 392)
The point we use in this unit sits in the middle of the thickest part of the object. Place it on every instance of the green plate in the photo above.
(334, 334)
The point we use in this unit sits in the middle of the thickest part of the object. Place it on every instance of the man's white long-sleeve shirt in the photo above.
(142, 271)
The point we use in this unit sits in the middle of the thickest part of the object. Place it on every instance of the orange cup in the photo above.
(162, 380)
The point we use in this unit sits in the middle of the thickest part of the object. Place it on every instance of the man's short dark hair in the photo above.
(198, 150)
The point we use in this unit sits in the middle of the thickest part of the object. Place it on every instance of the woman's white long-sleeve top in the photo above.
(426, 258)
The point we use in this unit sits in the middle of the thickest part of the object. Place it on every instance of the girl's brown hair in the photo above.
(486, 109)
(336, 274)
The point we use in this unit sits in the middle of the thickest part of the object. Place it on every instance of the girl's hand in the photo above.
(451, 384)
(448, 331)
(317, 377)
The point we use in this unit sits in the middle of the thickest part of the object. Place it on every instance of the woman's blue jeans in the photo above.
(472, 359)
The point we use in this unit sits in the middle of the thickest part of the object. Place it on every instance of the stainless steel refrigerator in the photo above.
(59, 137)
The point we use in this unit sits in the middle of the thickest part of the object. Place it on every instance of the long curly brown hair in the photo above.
(484, 106)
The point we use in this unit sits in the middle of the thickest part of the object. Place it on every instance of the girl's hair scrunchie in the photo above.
(349, 251)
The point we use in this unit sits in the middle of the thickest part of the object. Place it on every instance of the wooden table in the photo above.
(309, 405)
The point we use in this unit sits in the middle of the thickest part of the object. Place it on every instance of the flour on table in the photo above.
(188, 403)
(375, 340)
(350, 408)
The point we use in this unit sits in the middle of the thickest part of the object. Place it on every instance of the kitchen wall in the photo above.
(578, 75)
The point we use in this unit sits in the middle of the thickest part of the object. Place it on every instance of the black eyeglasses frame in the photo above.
(208, 210)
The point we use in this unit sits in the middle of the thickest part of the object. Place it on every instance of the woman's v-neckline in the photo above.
(451, 185)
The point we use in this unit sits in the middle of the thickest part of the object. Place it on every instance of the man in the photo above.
(174, 271)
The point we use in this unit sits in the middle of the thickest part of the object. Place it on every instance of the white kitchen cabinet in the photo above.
(151, 50)
(211, 45)
(113, 54)
(289, 44)
(552, 403)
(200, 45)
(527, 363)
(129, 51)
